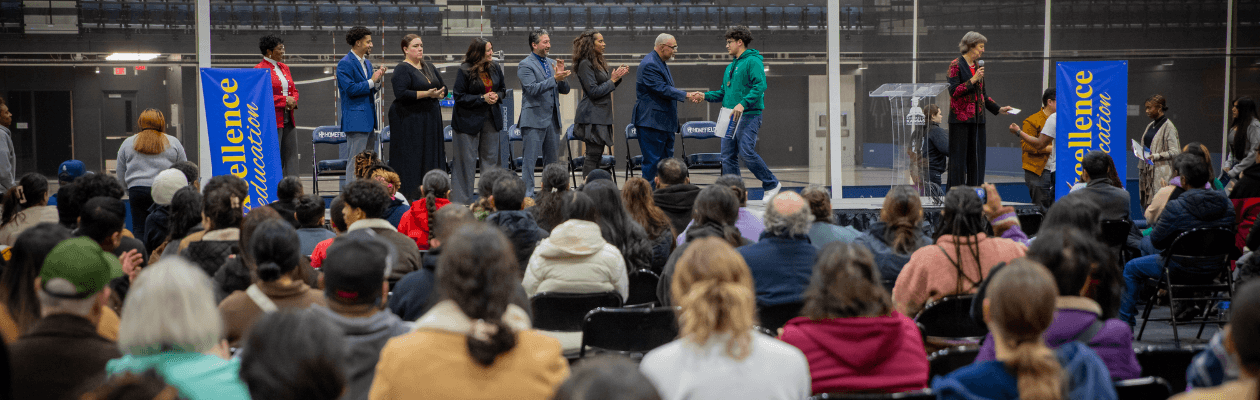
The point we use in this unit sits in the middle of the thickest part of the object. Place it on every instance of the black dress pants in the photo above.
(967, 145)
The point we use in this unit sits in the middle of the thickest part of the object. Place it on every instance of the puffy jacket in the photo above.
(889, 261)
(520, 228)
(576, 259)
(883, 354)
(1113, 342)
(1086, 375)
(415, 223)
(1196, 208)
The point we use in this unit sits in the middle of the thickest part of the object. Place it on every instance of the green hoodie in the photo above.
(743, 83)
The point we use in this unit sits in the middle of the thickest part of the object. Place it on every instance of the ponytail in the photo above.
(903, 213)
(28, 192)
(905, 234)
(12, 204)
(1037, 370)
(434, 185)
(269, 271)
(488, 339)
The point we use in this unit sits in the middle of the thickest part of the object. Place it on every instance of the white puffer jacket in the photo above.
(576, 259)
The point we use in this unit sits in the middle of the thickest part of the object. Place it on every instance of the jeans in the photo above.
(537, 140)
(141, 199)
(468, 148)
(655, 145)
(358, 142)
(1136, 272)
(742, 145)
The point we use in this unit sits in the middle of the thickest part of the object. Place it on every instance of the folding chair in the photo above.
(329, 135)
(1145, 388)
(606, 162)
(564, 312)
(699, 130)
(384, 137)
(948, 360)
(1116, 234)
(1167, 362)
(774, 317)
(1202, 256)
(1030, 223)
(921, 394)
(632, 162)
(949, 320)
(643, 287)
(448, 135)
(631, 331)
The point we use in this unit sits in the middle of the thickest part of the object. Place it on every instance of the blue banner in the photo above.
(241, 122)
(1091, 104)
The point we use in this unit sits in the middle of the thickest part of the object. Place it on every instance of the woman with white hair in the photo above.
(967, 100)
(173, 326)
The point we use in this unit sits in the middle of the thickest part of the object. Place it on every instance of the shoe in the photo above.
(770, 193)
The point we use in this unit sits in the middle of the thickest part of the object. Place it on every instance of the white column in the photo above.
(1229, 62)
(1045, 52)
(203, 61)
(914, 55)
(833, 106)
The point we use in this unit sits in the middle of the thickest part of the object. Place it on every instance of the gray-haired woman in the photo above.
(967, 143)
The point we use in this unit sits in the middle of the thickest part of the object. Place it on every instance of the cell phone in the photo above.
(984, 196)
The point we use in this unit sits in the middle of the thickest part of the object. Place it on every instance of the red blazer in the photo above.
(277, 90)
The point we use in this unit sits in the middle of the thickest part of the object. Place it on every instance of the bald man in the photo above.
(782, 261)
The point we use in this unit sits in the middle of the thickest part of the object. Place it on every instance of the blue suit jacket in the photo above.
(358, 109)
(656, 99)
(541, 98)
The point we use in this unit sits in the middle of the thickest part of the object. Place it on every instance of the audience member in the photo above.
(310, 215)
(575, 258)
(717, 353)
(102, 221)
(288, 192)
(67, 173)
(25, 205)
(140, 158)
(715, 214)
(607, 378)
(67, 211)
(960, 259)
(783, 260)
(475, 343)
(274, 248)
(296, 355)
(851, 334)
(435, 191)
(1175, 189)
(237, 272)
(1074, 259)
(366, 203)
(1213, 366)
(417, 291)
(1196, 208)
(1100, 190)
(62, 355)
(336, 210)
(617, 227)
(185, 219)
(750, 224)
(1019, 310)
(102, 185)
(900, 231)
(555, 183)
(221, 215)
(637, 194)
(397, 203)
(485, 190)
(824, 230)
(1244, 326)
(19, 296)
(187, 347)
(509, 216)
(674, 192)
(128, 386)
(164, 187)
(191, 172)
(597, 176)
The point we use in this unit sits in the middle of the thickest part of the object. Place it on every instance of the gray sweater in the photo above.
(136, 169)
(8, 160)
(364, 339)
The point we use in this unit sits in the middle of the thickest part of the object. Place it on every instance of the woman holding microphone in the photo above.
(967, 142)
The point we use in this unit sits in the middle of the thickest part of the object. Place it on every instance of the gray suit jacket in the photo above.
(597, 88)
(540, 103)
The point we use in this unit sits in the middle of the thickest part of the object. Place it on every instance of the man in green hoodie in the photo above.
(742, 91)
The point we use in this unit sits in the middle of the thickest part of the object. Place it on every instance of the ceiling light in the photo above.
(132, 56)
(1167, 63)
(98, 70)
(327, 70)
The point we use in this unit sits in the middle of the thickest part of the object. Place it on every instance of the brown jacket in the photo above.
(432, 362)
(239, 311)
(106, 326)
(407, 254)
(59, 358)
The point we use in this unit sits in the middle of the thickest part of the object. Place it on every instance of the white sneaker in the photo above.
(770, 193)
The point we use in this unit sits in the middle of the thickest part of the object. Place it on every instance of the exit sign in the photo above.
(120, 71)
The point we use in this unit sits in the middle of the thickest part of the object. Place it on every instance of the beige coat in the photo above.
(25, 219)
(1164, 148)
(576, 259)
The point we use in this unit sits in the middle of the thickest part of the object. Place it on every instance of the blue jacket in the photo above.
(781, 267)
(358, 108)
(656, 98)
(1087, 375)
(1196, 208)
(541, 94)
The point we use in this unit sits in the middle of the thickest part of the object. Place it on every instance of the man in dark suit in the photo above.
(542, 81)
(656, 105)
(1099, 188)
(358, 82)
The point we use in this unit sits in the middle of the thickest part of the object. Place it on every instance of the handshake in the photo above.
(695, 97)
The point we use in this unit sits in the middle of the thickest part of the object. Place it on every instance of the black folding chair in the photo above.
(921, 394)
(631, 331)
(1145, 388)
(1202, 256)
(948, 360)
(1116, 234)
(1030, 223)
(774, 317)
(643, 287)
(1168, 363)
(564, 312)
(949, 319)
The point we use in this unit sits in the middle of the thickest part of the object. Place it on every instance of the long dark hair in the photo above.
(249, 225)
(185, 213)
(846, 284)
(716, 208)
(29, 192)
(476, 58)
(903, 212)
(963, 217)
(435, 186)
(555, 183)
(477, 270)
(616, 225)
(275, 247)
(1076, 259)
(1246, 113)
(294, 355)
(637, 193)
(584, 49)
(17, 283)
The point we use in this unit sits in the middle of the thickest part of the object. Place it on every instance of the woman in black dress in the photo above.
(415, 118)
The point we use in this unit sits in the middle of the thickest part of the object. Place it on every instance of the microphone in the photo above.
(980, 63)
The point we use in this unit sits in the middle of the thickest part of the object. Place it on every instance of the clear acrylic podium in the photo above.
(908, 129)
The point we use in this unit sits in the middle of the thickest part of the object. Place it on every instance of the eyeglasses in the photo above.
(675, 47)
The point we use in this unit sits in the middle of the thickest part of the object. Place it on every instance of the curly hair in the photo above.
(713, 289)
(270, 42)
(367, 195)
(365, 162)
(741, 33)
(389, 178)
(584, 49)
(356, 34)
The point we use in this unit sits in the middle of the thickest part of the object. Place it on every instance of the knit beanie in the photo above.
(166, 184)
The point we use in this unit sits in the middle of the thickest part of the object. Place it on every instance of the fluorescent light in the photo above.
(327, 71)
(132, 56)
(1167, 63)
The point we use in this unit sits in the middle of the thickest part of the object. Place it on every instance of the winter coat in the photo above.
(1165, 147)
(1113, 343)
(890, 262)
(394, 214)
(862, 354)
(1086, 375)
(365, 336)
(415, 223)
(521, 230)
(781, 267)
(239, 311)
(576, 259)
(197, 376)
(156, 225)
(1111, 200)
(930, 273)
(25, 219)
(676, 201)
(662, 245)
(59, 358)
(209, 250)
(408, 256)
(1196, 208)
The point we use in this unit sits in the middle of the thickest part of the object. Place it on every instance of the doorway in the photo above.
(43, 129)
(118, 121)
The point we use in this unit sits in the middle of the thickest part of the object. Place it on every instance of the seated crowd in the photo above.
(388, 299)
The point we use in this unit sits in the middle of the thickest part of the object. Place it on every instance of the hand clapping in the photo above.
(561, 74)
(620, 72)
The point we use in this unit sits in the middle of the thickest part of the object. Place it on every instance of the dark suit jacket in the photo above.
(597, 88)
(470, 110)
(358, 109)
(967, 102)
(656, 98)
(1113, 201)
(60, 354)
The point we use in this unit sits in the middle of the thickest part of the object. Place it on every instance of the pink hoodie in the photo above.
(880, 354)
